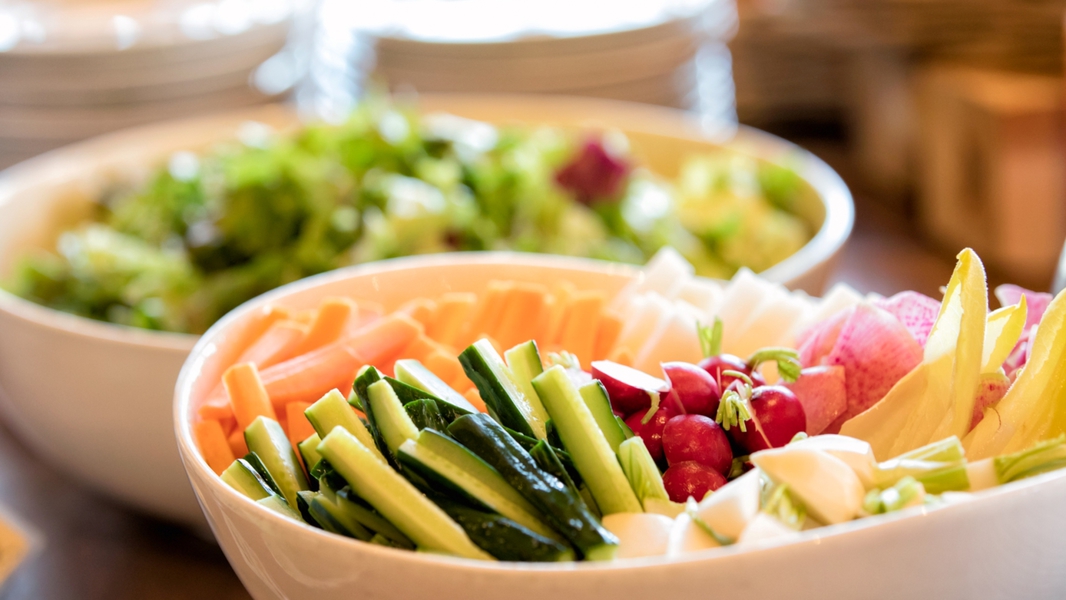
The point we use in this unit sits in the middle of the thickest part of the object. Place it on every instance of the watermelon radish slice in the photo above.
(823, 393)
(818, 342)
(916, 311)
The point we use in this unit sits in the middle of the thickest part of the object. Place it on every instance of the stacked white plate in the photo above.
(667, 52)
(69, 71)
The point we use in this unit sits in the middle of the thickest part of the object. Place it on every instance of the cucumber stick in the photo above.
(335, 519)
(588, 447)
(279, 505)
(391, 419)
(243, 477)
(267, 440)
(442, 461)
(496, 384)
(503, 538)
(641, 471)
(415, 374)
(421, 520)
(333, 410)
(595, 397)
(564, 510)
(524, 362)
(309, 450)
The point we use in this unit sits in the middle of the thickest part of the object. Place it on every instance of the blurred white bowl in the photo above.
(93, 398)
(1004, 543)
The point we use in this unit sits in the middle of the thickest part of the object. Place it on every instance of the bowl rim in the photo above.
(830, 188)
(197, 468)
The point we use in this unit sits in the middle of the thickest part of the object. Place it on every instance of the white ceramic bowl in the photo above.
(93, 398)
(1005, 543)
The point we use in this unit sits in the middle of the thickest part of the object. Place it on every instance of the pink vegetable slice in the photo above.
(818, 342)
(992, 388)
(917, 312)
(876, 351)
(822, 392)
(1038, 302)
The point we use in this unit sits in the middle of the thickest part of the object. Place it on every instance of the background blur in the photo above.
(945, 117)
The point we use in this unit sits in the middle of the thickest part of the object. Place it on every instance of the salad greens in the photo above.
(207, 232)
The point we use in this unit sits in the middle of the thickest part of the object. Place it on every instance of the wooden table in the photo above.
(97, 549)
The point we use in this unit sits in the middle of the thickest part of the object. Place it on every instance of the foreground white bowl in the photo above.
(93, 398)
(1005, 543)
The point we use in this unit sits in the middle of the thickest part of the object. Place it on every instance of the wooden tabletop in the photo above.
(95, 548)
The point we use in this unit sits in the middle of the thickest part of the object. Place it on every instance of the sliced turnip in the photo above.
(827, 486)
(675, 338)
(629, 389)
(917, 312)
(729, 510)
(822, 392)
(639, 534)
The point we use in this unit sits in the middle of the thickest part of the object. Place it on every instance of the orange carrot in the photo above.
(213, 445)
(247, 394)
(453, 310)
(383, 339)
(236, 442)
(580, 324)
(228, 424)
(610, 327)
(521, 314)
(419, 348)
(305, 316)
(308, 377)
(217, 406)
(487, 313)
(422, 310)
(330, 321)
(564, 290)
(448, 368)
(475, 398)
(299, 427)
(278, 344)
(622, 356)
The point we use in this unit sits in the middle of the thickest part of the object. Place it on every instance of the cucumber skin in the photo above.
(426, 415)
(492, 392)
(503, 538)
(549, 462)
(370, 376)
(564, 510)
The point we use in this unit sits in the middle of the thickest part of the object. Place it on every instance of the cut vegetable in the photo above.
(447, 464)
(395, 498)
(242, 477)
(267, 440)
(642, 473)
(595, 397)
(524, 363)
(213, 445)
(414, 374)
(581, 436)
(389, 416)
(332, 410)
(498, 389)
(247, 394)
(503, 538)
(329, 324)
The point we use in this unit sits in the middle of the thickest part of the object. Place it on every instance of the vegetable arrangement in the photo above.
(206, 232)
(866, 406)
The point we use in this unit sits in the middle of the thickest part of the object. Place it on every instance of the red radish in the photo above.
(767, 417)
(822, 392)
(697, 438)
(694, 387)
(652, 431)
(629, 389)
(718, 364)
(691, 479)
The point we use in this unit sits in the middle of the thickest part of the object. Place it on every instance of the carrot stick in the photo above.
(419, 348)
(564, 290)
(383, 339)
(453, 310)
(217, 406)
(213, 445)
(580, 325)
(521, 314)
(487, 313)
(278, 344)
(422, 310)
(247, 394)
(328, 326)
(305, 316)
(299, 427)
(307, 377)
(610, 327)
(236, 442)
(448, 368)
(622, 356)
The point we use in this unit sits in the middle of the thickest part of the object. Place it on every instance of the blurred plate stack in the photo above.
(74, 70)
(666, 52)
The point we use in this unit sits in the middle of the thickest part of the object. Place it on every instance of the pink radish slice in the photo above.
(1036, 302)
(992, 388)
(916, 311)
(822, 392)
(691, 479)
(876, 351)
(695, 388)
(818, 341)
(628, 388)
